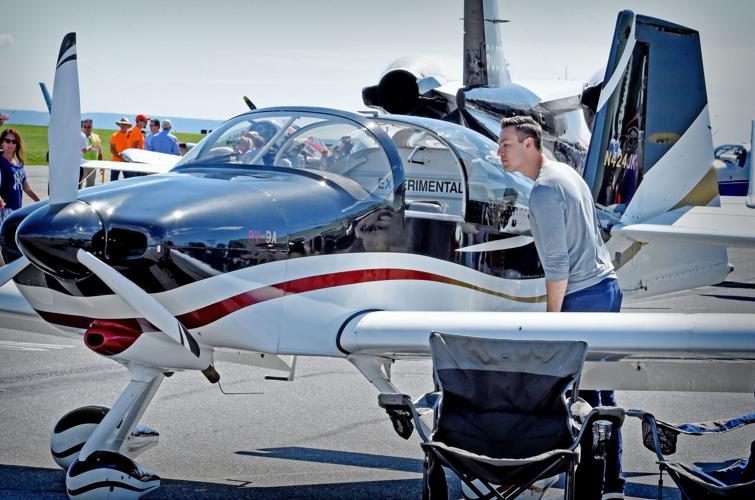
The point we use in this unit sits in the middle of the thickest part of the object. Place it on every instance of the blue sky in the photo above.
(197, 59)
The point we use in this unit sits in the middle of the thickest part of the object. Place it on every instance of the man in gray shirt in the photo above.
(579, 275)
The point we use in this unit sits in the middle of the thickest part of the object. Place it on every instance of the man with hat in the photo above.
(136, 139)
(3, 118)
(164, 141)
(118, 143)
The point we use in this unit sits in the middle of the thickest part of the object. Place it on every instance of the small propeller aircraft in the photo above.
(310, 231)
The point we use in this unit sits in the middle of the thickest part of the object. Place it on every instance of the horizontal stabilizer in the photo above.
(732, 225)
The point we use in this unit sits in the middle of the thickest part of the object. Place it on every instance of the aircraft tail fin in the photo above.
(652, 149)
(46, 96)
(484, 62)
(649, 162)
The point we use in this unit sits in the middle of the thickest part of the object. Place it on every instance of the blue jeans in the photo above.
(593, 476)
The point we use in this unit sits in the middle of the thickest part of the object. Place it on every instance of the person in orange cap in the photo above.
(136, 139)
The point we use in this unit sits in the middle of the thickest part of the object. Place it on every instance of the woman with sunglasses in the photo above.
(12, 173)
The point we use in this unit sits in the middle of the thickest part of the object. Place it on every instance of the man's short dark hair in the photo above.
(525, 127)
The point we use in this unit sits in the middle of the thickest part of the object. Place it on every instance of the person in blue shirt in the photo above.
(163, 141)
(154, 129)
(13, 183)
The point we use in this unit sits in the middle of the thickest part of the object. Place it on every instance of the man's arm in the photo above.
(113, 151)
(555, 292)
(548, 227)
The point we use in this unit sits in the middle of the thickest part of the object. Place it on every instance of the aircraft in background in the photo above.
(391, 228)
(416, 86)
(733, 164)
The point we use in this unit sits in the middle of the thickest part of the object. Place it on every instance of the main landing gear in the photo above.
(96, 446)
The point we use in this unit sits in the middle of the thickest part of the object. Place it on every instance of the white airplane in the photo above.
(353, 237)
(733, 164)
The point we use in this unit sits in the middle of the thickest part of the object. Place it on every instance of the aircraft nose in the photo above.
(50, 237)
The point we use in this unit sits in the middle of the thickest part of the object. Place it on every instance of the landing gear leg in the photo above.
(101, 469)
(127, 410)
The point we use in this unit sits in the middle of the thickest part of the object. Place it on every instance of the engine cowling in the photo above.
(408, 86)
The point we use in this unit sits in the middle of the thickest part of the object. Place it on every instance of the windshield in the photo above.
(319, 142)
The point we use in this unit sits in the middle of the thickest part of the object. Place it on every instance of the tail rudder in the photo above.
(651, 147)
(46, 96)
(484, 62)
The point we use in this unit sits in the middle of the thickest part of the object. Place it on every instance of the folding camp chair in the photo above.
(502, 419)
(736, 480)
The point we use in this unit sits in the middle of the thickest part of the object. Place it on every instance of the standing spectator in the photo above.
(91, 149)
(12, 174)
(136, 139)
(579, 275)
(164, 141)
(154, 129)
(119, 143)
(3, 118)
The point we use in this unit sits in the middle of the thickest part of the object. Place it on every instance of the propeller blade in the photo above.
(64, 134)
(249, 103)
(493, 246)
(8, 271)
(144, 303)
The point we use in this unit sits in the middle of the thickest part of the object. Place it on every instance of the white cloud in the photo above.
(6, 39)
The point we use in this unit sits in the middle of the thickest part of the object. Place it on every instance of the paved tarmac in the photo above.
(320, 436)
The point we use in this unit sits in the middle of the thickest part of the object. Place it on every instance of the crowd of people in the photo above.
(158, 139)
(13, 180)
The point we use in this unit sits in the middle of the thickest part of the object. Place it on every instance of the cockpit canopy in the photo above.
(332, 144)
(432, 166)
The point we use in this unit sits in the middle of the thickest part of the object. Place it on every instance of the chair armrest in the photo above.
(612, 414)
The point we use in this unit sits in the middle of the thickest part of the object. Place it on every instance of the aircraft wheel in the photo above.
(72, 431)
(107, 474)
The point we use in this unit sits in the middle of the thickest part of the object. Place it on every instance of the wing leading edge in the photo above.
(672, 351)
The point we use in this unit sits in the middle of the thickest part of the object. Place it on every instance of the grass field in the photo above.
(35, 141)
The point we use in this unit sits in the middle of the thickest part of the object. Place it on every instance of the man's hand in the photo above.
(555, 291)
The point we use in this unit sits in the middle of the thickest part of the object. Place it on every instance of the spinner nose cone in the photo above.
(51, 236)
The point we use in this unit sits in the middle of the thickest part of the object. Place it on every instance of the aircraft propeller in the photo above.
(59, 238)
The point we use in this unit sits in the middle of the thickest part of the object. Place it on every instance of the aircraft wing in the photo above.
(134, 155)
(17, 314)
(629, 351)
(732, 224)
(146, 168)
(137, 160)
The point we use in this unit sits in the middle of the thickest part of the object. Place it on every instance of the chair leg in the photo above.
(569, 481)
(434, 486)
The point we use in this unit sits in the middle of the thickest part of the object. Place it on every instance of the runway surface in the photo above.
(320, 436)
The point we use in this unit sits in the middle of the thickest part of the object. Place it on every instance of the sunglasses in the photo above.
(10, 141)
(87, 126)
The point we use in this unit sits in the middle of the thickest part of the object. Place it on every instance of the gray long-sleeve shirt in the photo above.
(565, 229)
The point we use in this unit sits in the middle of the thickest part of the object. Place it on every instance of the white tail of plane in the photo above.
(649, 163)
(484, 62)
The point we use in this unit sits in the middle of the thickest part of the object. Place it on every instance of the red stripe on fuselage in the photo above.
(213, 312)
(218, 310)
